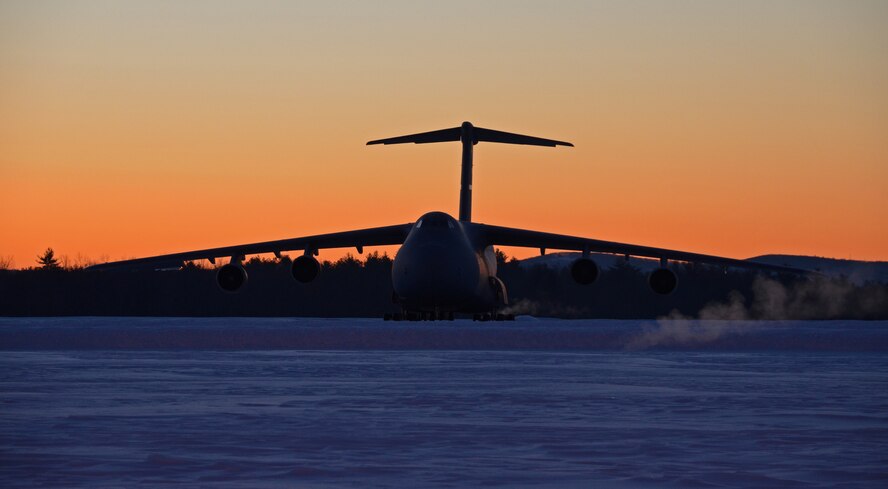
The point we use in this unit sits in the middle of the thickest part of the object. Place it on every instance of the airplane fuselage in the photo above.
(441, 268)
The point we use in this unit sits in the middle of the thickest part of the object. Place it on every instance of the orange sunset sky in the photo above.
(734, 128)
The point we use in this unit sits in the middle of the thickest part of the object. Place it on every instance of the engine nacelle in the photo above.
(305, 268)
(584, 271)
(663, 281)
(231, 277)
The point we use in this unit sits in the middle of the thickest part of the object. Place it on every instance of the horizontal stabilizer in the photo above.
(482, 134)
(477, 134)
(439, 136)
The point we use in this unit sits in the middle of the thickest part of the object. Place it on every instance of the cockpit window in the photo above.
(436, 220)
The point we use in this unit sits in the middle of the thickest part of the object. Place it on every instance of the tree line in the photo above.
(351, 287)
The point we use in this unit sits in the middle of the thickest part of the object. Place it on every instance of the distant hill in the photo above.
(859, 272)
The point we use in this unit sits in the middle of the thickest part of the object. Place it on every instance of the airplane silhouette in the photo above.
(444, 265)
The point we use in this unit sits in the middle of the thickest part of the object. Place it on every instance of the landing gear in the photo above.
(443, 316)
(493, 317)
(418, 316)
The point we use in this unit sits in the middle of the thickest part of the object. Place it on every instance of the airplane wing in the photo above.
(503, 236)
(388, 235)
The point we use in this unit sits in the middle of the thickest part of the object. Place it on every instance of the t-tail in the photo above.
(469, 135)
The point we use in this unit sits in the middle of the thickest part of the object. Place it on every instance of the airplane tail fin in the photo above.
(469, 135)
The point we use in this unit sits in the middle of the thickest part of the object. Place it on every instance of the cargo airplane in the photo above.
(444, 265)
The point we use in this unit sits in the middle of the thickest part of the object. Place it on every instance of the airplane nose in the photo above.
(433, 274)
(436, 269)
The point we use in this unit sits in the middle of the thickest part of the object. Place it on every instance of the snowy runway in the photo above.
(701, 415)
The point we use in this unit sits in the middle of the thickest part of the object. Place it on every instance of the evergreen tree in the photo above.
(48, 261)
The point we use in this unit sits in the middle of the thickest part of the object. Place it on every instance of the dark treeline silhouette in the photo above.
(354, 288)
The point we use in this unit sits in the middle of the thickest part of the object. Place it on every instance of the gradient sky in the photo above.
(735, 128)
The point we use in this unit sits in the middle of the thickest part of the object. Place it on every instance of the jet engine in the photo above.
(231, 277)
(305, 268)
(663, 281)
(584, 271)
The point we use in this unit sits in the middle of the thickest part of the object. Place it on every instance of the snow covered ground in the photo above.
(122, 402)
